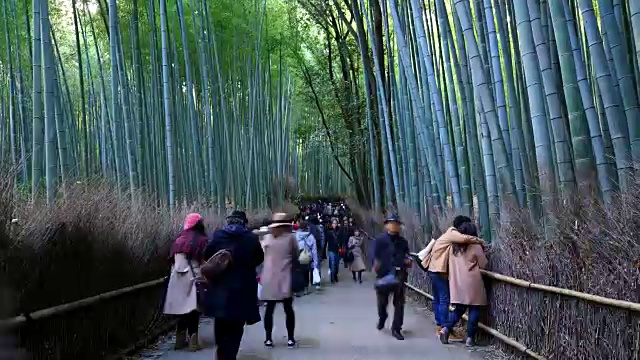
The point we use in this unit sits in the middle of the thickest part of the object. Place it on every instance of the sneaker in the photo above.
(397, 334)
(291, 344)
(444, 335)
(469, 342)
(268, 343)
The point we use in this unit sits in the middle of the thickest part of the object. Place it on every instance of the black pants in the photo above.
(398, 303)
(189, 322)
(228, 334)
(359, 275)
(289, 314)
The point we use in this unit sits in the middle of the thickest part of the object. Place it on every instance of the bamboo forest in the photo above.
(471, 105)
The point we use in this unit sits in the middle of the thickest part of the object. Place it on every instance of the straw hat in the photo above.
(280, 219)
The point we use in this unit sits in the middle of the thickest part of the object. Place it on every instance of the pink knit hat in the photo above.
(191, 220)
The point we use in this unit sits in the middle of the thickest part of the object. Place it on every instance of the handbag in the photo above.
(349, 257)
(216, 265)
(387, 282)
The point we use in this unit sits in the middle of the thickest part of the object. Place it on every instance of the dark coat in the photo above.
(234, 296)
(390, 251)
(334, 240)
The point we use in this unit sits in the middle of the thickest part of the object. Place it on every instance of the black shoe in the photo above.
(380, 325)
(291, 344)
(268, 343)
(397, 334)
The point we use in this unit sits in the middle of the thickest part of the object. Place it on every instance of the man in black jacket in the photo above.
(390, 254)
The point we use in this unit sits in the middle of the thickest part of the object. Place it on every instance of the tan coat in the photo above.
(276, 271)
(465, 280)
(182, 296)
(358, 255)
(438, 259)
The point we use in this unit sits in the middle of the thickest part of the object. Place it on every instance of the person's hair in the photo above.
(199, 227)
(467, 228)
(304, 225)
(459, 220)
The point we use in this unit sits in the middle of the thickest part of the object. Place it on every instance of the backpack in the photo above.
(304, 257)
(216, 265)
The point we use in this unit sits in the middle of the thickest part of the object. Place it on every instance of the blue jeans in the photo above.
(474, 318)
(440, 285)
(334, 265)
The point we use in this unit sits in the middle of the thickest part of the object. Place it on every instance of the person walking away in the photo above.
(344, 232)
(437, 263)
(465, 282)
(280, 252)
(391, 255)
(333, 249)
(316, 229)
(232, 300)
(308, 248)
(357, 266)
(187, 255)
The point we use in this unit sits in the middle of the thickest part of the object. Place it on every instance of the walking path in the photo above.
(337, 323)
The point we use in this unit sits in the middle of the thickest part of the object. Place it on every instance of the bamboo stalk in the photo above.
(493, 332)
(60, 309)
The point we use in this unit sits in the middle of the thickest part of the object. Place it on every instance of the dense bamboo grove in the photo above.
(159, 96)
(476, 105)
(483, 105)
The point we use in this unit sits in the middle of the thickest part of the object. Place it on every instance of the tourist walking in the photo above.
(308, 259)
(187, 255)
(280, 254)
(391, 256)
(232, 299)
(466, 285)
(333, 250)
(437, 264)
(357, 265)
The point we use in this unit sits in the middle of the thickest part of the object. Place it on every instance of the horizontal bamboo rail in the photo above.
(493, 332)
(19, 320)
(621, 304)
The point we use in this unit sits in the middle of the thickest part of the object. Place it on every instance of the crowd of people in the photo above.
(227, 274)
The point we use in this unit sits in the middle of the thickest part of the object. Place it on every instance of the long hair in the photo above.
(467, 228)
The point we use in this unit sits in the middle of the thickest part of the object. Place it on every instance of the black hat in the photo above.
(392, 218)
(238, 214)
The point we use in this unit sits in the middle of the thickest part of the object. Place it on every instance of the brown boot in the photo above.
(454, 335)
(193, 342)
(181, 340)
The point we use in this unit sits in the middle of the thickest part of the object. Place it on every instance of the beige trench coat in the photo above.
(182, 297)
(358, 256)
(465, 280)
(276, 270)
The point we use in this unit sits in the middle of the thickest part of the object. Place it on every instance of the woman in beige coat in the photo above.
(182, 294)
(465, 284)
(355, 246)
(280, 252)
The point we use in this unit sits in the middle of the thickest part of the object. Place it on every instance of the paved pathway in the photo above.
(337, 323)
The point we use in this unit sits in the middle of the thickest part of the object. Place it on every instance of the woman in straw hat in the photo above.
(280, 254)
